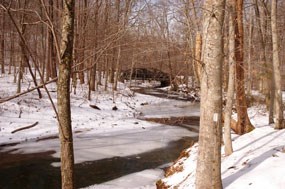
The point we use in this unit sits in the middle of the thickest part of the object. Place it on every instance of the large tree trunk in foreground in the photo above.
(278, 109)
(208, 173)
(63, 96)
(243, 123)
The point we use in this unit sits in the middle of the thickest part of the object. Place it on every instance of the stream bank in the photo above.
(106, 155)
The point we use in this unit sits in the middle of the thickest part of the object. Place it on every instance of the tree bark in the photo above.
(264, 80)
(197, 61)
(63, 96)
(92, 85)
(2, 41)
(243, 123)
(278, 113)
(12, 53)
(106, 56)
(231, 82)
(51, 64)
(208, 172)
(115, 85)
(249, 64)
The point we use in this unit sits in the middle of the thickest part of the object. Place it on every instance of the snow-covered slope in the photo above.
(257, 161)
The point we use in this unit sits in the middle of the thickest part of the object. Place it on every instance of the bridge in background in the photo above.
(144, 74)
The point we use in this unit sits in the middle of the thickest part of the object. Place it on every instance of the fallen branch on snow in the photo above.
(26, 127)
(94, 107)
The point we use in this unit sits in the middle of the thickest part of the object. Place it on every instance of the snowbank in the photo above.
(257, 161)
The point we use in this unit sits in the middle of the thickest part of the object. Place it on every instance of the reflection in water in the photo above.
(35, 170)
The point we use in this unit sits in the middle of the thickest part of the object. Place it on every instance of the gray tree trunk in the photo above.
(208, 173)
(63, 96)
(278, 117)
(249, 64)
(20, 76)
(231, 83)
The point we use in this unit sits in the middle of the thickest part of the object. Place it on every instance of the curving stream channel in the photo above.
(104, 157)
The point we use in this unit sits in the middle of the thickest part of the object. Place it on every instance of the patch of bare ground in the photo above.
(176, 167)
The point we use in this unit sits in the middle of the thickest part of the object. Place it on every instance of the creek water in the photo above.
(101, 158)
(35, 170)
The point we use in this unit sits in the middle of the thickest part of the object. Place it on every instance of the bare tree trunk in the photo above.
(16, 59)
(2, 41)
(22, 57)
(278, 106)
(63, 96)
(93, 70)
(249, 70)
(20, 76)
(99, 75)
(43, 45)
(115, 86)
(12, 53)
(48, 69)
(243, 123)
(208, 172)
(77, 56)
(231, 82)
(106, 56)
(115, 62)
(132, 69)
(106, 72)
(265, 85)
(271, 107)
(197, 63)
(173, 84)
(124, 23)
(85, 37)
(189, 47)
(53, 62)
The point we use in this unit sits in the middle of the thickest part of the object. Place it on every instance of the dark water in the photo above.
(27, 171)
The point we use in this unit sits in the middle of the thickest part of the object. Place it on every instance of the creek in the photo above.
(104, 157)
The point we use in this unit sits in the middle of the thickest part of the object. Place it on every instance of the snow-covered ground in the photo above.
(257, 161)
(98, 134)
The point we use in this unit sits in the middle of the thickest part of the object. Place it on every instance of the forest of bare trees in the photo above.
(111, 36)
(223, 47)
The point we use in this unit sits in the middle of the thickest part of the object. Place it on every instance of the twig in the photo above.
(26, 127)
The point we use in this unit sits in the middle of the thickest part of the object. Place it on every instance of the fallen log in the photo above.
(26, 127)
(94, 107)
